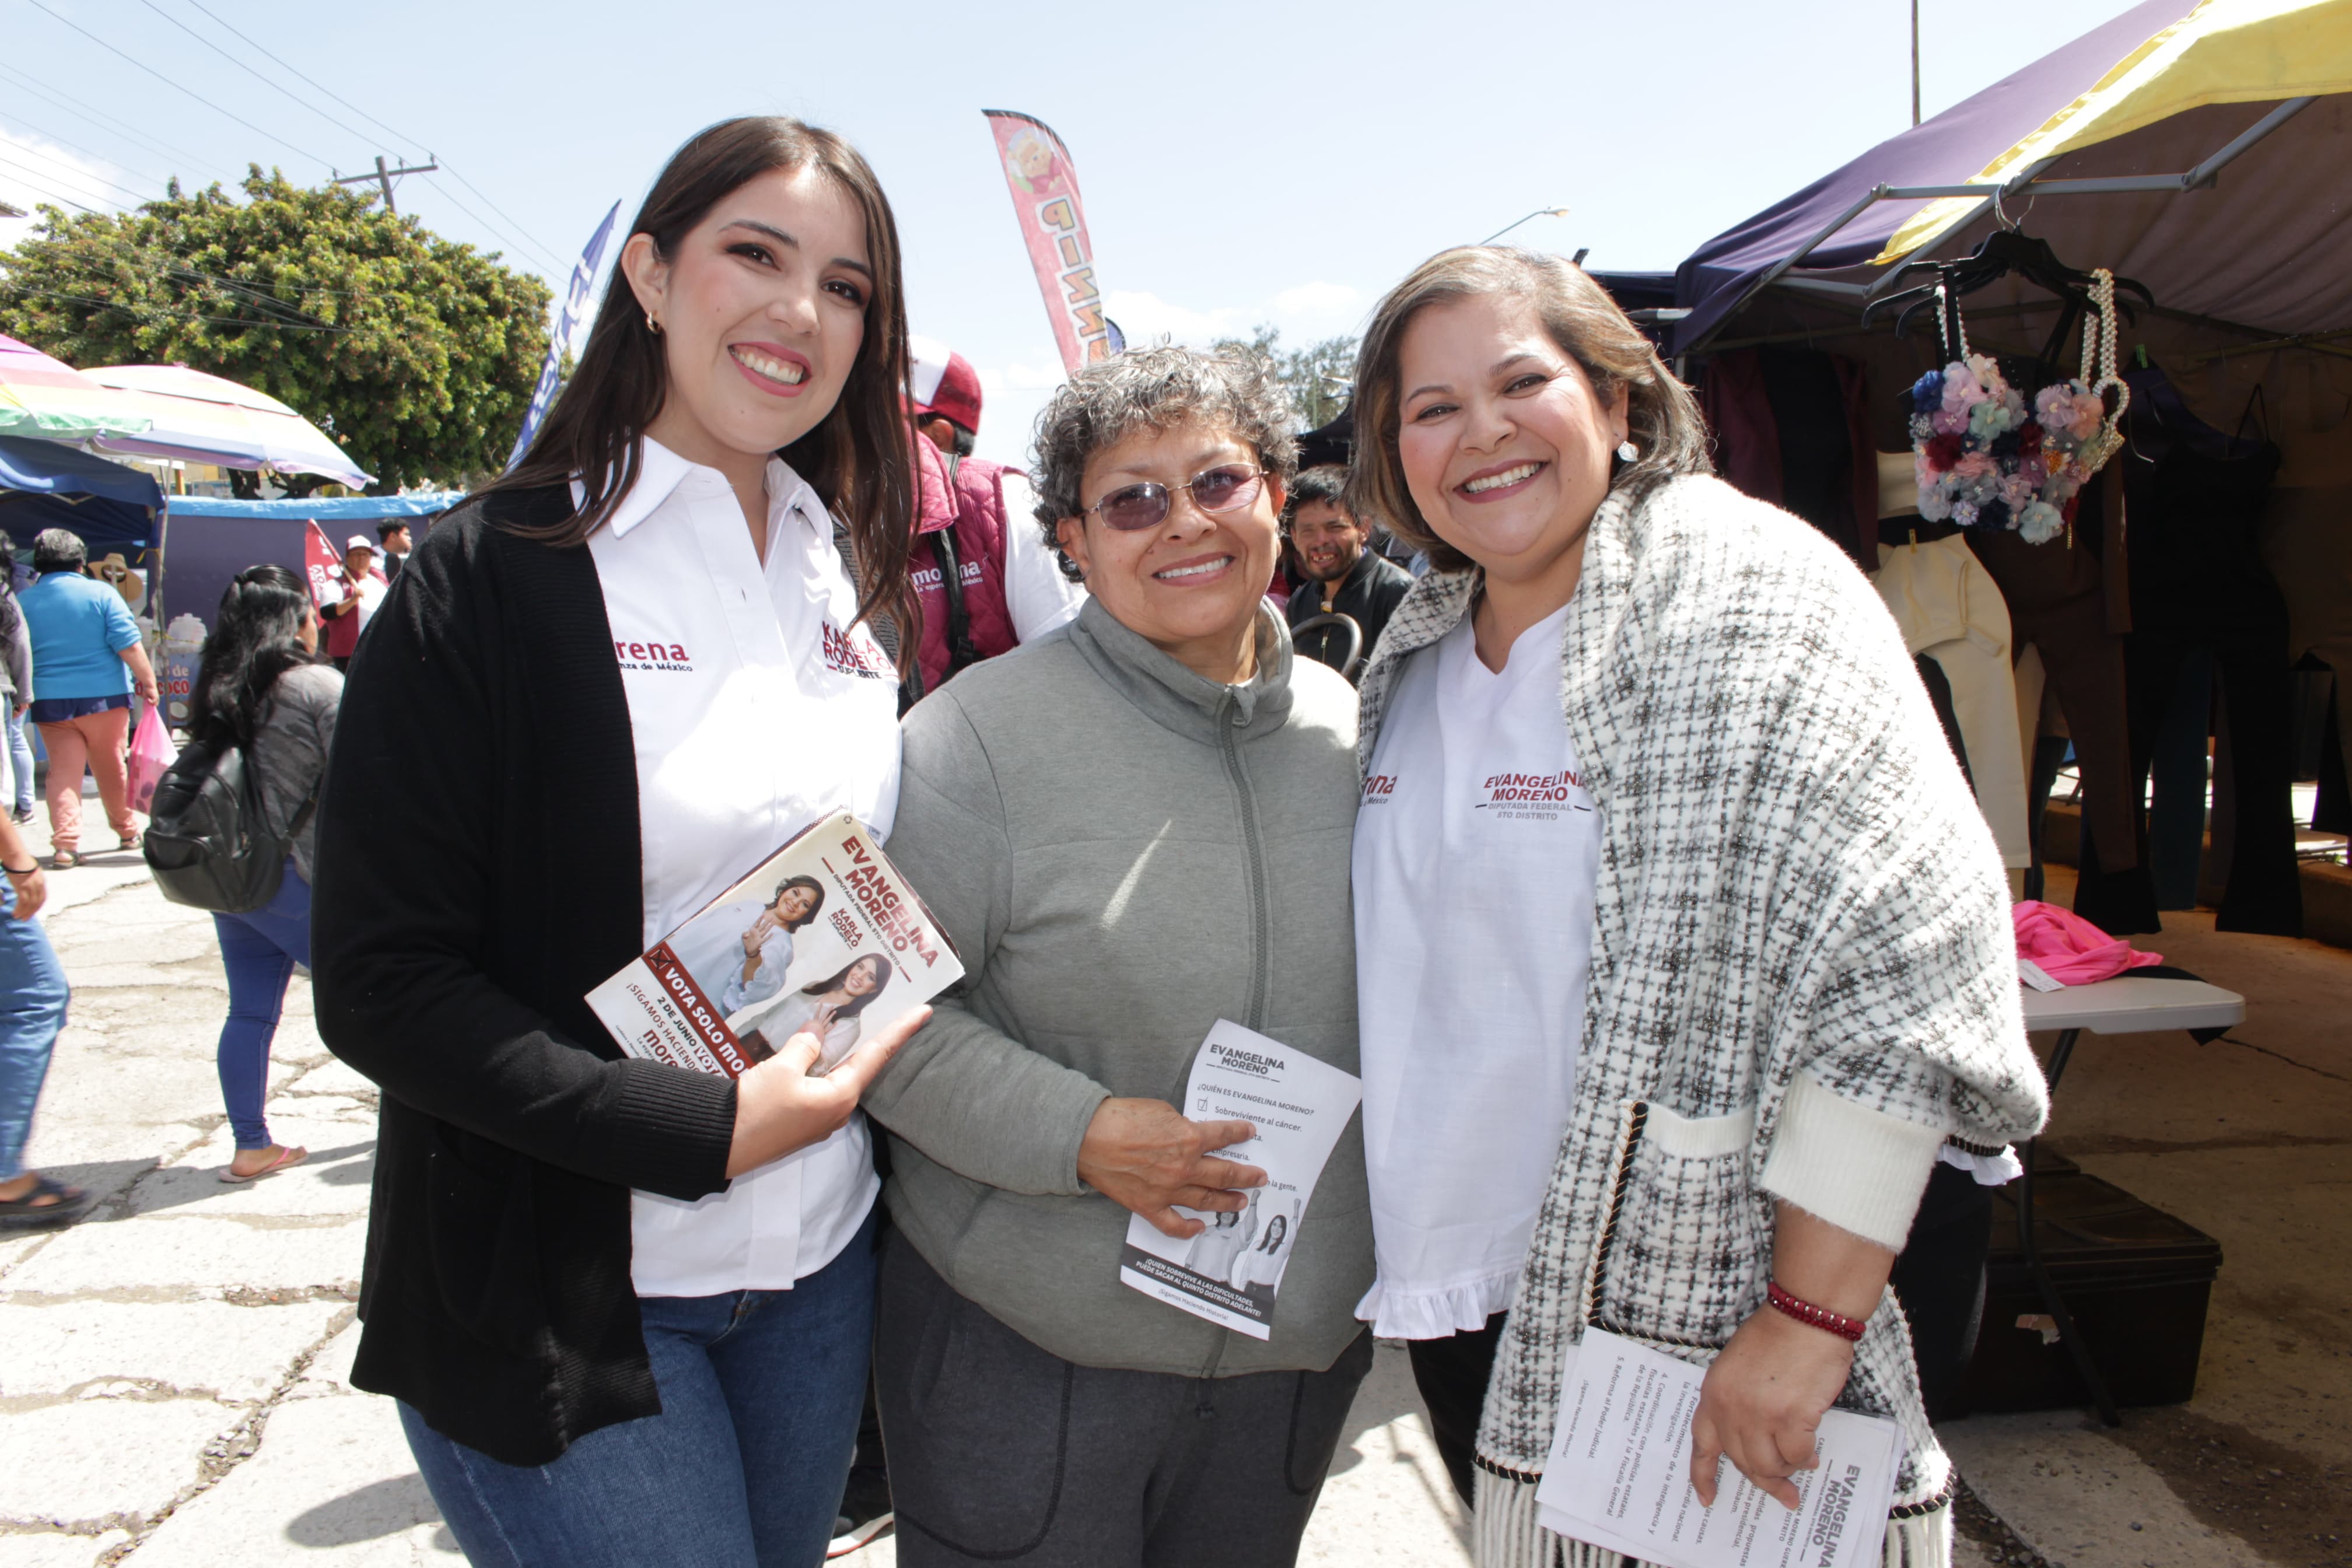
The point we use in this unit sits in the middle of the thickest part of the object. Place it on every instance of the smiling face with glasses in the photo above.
(1177, 542)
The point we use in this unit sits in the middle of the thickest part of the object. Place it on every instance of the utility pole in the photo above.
(384, 176)
(1915, 64)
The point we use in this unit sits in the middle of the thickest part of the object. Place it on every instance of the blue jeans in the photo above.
(31, 1010)
(259, 950)
(760, 1392)
(20, 759)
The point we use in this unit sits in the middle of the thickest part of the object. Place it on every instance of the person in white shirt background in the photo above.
(737, 409)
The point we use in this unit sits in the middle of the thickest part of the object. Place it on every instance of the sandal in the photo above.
(287, 1158)
(129, 845)
(66, 1206)
(64, 861)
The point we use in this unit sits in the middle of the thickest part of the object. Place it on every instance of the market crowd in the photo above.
(1618, 1066)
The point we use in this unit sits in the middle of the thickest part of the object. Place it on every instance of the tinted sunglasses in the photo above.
(1132, 507)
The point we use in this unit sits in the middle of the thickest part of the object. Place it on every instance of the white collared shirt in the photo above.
(755, 711)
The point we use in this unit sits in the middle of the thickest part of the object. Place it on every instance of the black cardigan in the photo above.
(478, 873)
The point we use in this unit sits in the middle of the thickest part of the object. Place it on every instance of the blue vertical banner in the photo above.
(575, 306)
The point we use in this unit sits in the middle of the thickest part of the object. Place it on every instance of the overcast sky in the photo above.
(1242, 163)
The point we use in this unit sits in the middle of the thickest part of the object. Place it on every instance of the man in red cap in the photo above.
(981, 567)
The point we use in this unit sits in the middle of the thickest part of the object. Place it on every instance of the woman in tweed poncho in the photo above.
(1651, 757)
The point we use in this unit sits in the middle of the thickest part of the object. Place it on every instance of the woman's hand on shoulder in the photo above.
(780, 1109)
(1147, 1157)
(1762, 1403)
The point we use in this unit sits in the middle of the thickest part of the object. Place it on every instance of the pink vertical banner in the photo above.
(1044, 187)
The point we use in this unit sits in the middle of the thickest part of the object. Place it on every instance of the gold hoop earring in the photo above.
(651, 325)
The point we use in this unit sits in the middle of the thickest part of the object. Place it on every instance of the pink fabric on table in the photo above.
(2070, 949)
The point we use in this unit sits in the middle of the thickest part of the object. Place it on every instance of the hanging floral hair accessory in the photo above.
(1984, 460)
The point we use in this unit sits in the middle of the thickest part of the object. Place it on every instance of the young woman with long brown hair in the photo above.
(625, 1307)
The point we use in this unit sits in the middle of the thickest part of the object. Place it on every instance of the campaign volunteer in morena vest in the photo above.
(1007, 587)
(625, 1307)
(1648, 758)
(1132, 829)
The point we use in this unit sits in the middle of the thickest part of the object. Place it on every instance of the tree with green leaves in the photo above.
(418, 355)
(1319, 377)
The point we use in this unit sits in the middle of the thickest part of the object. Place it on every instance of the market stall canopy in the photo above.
(201, 418)
(212, 540)
(49, 399)
(44, 484)
(2113, 149)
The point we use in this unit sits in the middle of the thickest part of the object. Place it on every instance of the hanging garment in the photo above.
(1950, 610)
(1792, 426)
(2195, 498)
(2058, 603)
(2180, 775)
(2307, 543)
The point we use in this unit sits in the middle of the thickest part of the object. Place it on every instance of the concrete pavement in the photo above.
(172, 1385)
(172, 1371)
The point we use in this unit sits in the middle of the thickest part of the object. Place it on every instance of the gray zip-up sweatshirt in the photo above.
(1124, 853)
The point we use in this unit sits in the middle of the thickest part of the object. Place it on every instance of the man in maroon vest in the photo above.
(981, 567)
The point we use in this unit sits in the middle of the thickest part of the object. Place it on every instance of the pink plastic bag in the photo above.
(2070, 949)
(151, 757)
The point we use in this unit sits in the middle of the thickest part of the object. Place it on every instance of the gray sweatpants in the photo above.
(1000, 1453)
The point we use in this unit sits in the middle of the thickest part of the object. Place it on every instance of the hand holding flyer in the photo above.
(824, 936)
(1619, 1476)
(1231, 1271)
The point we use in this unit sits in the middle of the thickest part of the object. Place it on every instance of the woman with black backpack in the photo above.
(263, 689)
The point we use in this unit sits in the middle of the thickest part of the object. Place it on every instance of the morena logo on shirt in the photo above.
(855, 652)
(669, 655)
(1379, 788)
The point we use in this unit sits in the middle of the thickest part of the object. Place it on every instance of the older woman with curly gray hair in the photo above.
(1132, 829)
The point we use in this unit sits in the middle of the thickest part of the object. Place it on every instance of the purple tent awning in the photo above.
(1946, 150)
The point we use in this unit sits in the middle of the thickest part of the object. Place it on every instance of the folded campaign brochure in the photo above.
(824, 935)
(1619, 1476)
(1231, 1272)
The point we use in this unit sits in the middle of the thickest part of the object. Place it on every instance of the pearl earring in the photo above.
(1628, 453)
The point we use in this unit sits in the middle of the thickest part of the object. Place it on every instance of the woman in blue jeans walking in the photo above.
(263, 689)
(32, 1011)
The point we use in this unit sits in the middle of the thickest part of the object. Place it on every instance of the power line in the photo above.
(86, 152)
(54, 179)
(545, 255)
(477, 218)
(107, 123)
(191, 92)
(70, 202)
(532, 241)
(270, 82)
(84, 176)
(267, 53)
(141, 307)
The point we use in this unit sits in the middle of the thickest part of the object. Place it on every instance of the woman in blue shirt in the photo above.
(87, 660)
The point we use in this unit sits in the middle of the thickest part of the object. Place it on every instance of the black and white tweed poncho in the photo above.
(1793, 876)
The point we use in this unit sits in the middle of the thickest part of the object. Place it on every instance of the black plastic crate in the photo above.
(2136, 1280)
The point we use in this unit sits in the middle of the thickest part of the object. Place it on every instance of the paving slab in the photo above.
(332, 1481)
(106, 1461)
(50, 1549)
(2081, 1498)
(236, 1355)
(168, 1256)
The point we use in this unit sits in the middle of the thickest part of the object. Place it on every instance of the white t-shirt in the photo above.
(755, 712)
(1477, 855)
(1036, 594)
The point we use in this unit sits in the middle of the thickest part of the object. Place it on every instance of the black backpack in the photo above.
(209, 841)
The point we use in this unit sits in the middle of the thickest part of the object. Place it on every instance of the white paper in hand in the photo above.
(1619, 1476)
(1231, 1272)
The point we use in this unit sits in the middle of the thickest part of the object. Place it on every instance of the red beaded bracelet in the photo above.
(1805, 1313)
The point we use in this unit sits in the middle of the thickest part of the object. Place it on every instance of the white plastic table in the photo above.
(2128, 1004)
